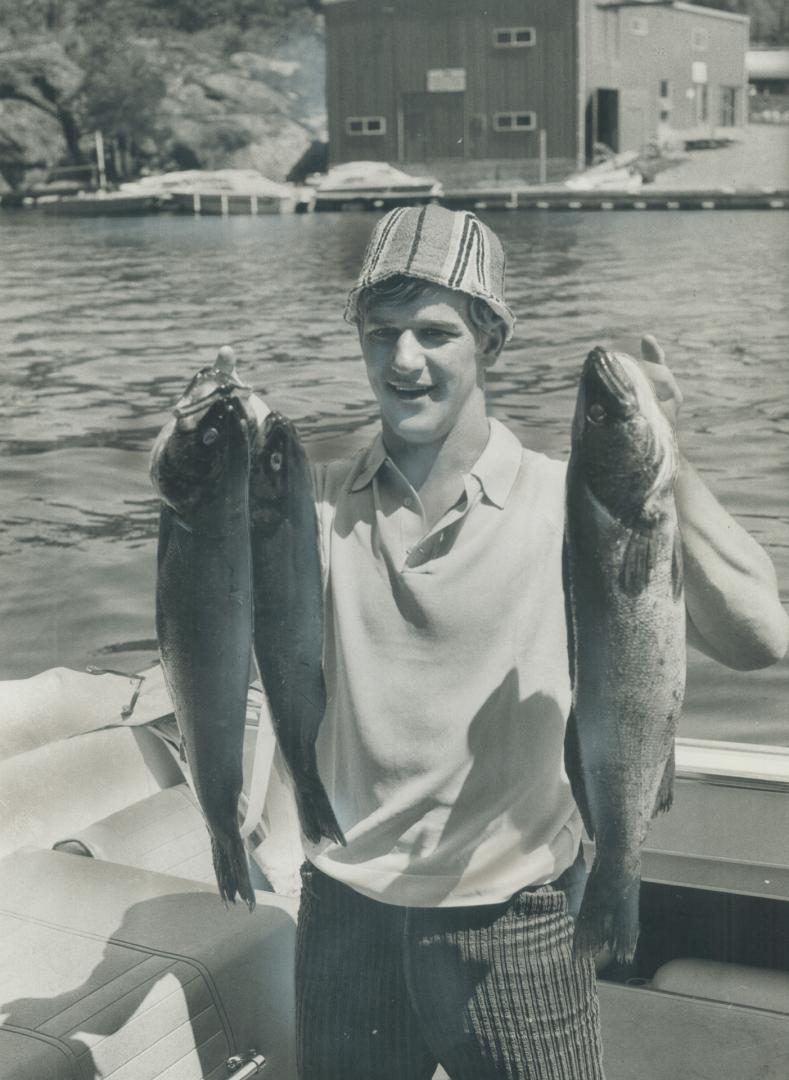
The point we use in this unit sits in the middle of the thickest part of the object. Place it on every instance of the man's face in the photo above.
(425, 363)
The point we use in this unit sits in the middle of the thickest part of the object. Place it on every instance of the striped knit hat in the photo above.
(446, 247)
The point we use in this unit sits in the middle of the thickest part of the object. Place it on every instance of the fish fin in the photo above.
(573, 766)
(568, 607)
(232, 870)
(608, 918)
(639, 561)
(665, 794)
(677, 570)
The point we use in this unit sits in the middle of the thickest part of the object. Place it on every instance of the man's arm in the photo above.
(731, 591)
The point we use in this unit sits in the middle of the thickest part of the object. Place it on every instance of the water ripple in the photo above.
(104, 321)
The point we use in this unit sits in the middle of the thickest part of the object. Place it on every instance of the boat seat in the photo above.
(112, 971)
(163, 832)
(51, 792)
(732, 984)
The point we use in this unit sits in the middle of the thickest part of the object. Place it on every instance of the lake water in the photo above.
(102, 322)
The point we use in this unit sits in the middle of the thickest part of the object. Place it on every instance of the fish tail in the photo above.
(318, 820)
(232, 870)
(609, 914)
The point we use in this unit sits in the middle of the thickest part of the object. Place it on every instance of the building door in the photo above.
(602, 121)
(433, 126)
(634, 131)
(728, 104)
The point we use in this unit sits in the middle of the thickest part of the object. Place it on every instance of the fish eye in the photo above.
(276, 461)
(210, 435)
(596, 413)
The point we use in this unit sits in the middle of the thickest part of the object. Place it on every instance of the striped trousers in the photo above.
(490, 992)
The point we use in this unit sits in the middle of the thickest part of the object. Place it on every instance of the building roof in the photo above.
(767, 63)
(677, 5)
(695, 9)
(715, 13)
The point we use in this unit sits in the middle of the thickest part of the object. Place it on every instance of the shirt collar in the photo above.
(496, 468)
(371, 461)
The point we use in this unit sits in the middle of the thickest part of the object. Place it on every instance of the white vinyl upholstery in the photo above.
(164, 832)
(115, 971)
(51, 791)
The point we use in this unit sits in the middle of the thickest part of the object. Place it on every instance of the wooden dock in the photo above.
(564, 199)
(522, 198)
(225, 203)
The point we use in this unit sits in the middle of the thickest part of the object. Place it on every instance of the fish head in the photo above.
(272, 455)
(621, 439)
(208, 385)
(203, 444)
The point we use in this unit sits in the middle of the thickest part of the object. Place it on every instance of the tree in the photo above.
(120, 95)
(769, 18)
(193, 15)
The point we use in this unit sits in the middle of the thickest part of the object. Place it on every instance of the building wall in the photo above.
(633, 48)
(380, 54)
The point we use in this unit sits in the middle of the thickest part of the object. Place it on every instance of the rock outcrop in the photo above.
(259, 105)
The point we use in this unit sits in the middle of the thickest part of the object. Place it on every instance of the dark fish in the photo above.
(626, 625)
(200, 468)
(289, 611)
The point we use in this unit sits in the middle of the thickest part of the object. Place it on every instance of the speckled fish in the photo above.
(626, 628)
(200, 468)
(289, 611)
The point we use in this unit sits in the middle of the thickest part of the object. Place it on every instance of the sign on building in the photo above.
(442, 80)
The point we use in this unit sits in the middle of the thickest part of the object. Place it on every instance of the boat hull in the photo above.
(99, 206)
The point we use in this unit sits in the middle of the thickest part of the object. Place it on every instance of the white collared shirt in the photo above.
(448, 683)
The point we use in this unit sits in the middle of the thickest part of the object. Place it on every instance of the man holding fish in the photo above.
(437, 910)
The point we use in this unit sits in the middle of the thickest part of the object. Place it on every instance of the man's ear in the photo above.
(491, 345)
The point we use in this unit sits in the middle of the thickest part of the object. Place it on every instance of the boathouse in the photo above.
(524, 88)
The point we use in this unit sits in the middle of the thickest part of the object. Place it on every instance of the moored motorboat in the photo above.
(98, 203)
(372, 184)
(225, 191)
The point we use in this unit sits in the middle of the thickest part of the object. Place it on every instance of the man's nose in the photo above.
(407, 354)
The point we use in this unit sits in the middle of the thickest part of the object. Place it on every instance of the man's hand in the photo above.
(653, 361)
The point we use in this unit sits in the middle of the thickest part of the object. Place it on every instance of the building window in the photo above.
(699, 38)
(365, 125)
(514, 121)
(639, 26)
(514, 37)
(728, 106)
(665, 89)
(702, 103)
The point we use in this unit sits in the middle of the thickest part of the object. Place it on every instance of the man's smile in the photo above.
(410, 391)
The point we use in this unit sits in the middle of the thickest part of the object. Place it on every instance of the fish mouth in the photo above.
(606, 377)
(210, 384)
